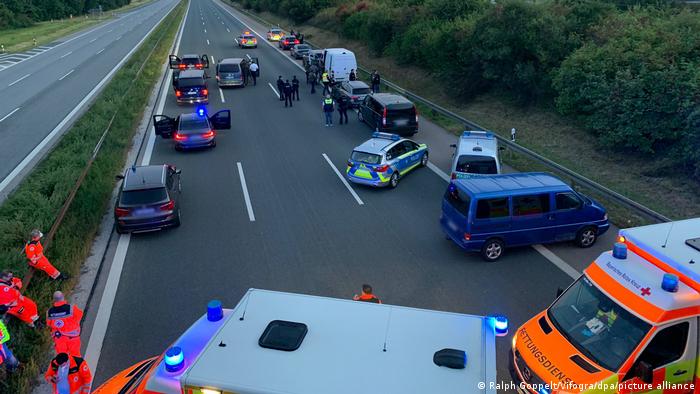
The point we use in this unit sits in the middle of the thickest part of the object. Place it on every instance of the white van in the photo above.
(339, 61)
(476, 153)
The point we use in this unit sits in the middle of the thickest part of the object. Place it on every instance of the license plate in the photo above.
(401, 122)
(144, 211)
(191, 92)
(465, 175)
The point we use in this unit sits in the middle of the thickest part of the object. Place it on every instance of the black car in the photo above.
(287, 42)
(188, 62)
(195, 130)
(148, 199)
(191, 87)
(298, 51)
(389, 113)
(355, 91)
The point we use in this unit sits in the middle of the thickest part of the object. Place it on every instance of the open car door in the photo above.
(164, 125)
(205, 61)
(174, 62)
(221, 120)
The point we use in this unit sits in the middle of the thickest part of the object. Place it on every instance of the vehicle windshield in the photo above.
(275, 31)
(229, 68)
(193, 125)
(302, 47)
(360, 91)
(364, 157)
(596, 325)
(143, 197)
(190, 82)
(248, 37)
(190, 61)
(473, 164)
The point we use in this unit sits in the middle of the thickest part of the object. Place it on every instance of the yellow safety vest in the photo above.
(324, 77)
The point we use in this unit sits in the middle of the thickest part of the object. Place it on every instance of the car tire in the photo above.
(394, 180)
(176, 223)
(492, 250)
(213, 144)
(586, 237)
(424, 160)
(120, 230)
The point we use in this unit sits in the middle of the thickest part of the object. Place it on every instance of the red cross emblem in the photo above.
(646, 291)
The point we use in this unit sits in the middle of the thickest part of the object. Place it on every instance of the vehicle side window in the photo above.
(376, 107)
(532, 204)
(667, 346)
(409, 146)
(395, 152)
(567, 201)
(457, 199)
(492, 208)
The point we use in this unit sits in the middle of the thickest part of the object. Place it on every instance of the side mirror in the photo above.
(644, 372)
(453, 146)
(560, 291)
(119, 177)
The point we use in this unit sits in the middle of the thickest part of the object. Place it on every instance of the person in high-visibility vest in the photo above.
(69, 375)
(17, 305)
(325, 80)
(328, 108)
(6, 357)
(35, 254)
(367, 295)
(64, 321)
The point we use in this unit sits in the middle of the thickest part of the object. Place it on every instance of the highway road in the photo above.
(63, 77)
(293, 225)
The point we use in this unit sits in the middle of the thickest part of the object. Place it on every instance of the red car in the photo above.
(287, 42)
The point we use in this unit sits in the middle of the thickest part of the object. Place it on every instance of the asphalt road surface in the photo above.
(302, 231)
(62, 79)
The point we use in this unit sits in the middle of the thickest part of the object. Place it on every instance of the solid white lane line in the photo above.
(66, 55)
(556, 260)
(273, 89)
(8, 115)
(93, 40)
(67, 74)
(246, 196)
(100, 51)
(223, 100)
(342, 179)
(439, 172)
(19, 80)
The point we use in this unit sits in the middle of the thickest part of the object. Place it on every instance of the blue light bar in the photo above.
(388, 136)
(215, 311)
(201, 111)
(477, 134)
(620, 251)
(670, 283)
(174, 359)
(500, 325)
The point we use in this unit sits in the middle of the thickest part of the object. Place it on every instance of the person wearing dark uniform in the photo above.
(353, 76)
(376, 81)
(295, 88)
(343, 108)
(313, 79)
(280, 87)
(367, 295)
(288, 90)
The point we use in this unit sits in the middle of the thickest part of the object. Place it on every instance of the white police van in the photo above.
(476, 153)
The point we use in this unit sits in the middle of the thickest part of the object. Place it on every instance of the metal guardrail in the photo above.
(575, 177)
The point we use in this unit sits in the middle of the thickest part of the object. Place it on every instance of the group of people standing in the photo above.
(68, 372)
(288, 91)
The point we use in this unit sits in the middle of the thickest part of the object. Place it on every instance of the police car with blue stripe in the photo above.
(384, 159)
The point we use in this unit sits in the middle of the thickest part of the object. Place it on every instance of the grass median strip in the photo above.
(37, 201)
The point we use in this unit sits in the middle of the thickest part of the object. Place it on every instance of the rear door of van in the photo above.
(455, 213)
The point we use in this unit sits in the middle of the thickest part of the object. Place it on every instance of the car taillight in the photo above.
(381, 168)
(254, 40)
(180, 137)
(182, 66)
(286, 42)
(384, 117)
(178, 93)
(467, 236)
(169, 206)
(354, 97)
(296, 41)
(209, 134)
(454, 176)
(199, 65)
(205, 92)
(243, 41)
(121, 212)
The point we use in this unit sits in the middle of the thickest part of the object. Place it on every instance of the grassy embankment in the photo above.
(37, 201)
(18, 40)
(652, 183)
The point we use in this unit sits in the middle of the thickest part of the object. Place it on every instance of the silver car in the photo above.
(355, 91)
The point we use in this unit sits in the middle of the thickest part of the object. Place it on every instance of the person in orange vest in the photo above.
(35, 254)
(367, 295)
(69, 375)
(64, 321)
(18, 305)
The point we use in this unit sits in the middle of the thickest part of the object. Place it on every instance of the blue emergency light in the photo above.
(201, 111)
(379, 134)
(174, 359)
(620, 251)
(670, 283)
(545, 390)
(500, 325)
(215, 311)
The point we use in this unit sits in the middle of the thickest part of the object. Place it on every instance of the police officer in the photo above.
(254, 72)
(6, 357)
(17, 305)
(69, 374)
(327, 106)
(343, 104)
(295, 87)
(288, 90)
(280, 87)
(331, 81)
(313, 79)
(376, 81)
(325, 80)
(64, 321)
(367, 295)
(37, 260)
(353, 76)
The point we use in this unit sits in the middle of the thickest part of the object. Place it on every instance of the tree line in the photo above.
(23, 13)
(627, 70)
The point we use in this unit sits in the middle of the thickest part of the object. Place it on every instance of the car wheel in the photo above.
(394, 180)
(492, 249)
(120, 230)
(586, 237)
(176, 223)
(424, 160)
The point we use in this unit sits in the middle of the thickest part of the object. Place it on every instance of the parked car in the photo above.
(298, 51)
(230, 72)
(275, 34)
(246, 40)
(148, 199)
(191, 87)
(476, 153)
(390, 113)
(194, 130)
(490, 213)
(355, 91)
(287, 42)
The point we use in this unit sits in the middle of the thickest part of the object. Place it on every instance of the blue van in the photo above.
(487, 214)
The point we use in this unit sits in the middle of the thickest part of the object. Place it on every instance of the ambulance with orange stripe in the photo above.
(629, 324)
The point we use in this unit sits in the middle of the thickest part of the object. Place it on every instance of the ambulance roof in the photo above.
(666, 242)
(344, 349)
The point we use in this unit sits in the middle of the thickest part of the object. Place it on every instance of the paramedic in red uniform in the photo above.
(64, 321)
(18, 305)
(35, 254)
(69, 374)
(367, 295)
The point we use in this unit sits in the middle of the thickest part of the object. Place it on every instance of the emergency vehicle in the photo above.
(283, 343)
(629, 324)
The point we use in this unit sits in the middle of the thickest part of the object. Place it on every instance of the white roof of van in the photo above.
(484, 139)
(343, 351)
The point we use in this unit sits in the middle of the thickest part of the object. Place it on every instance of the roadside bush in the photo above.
(452, 9)
(379, 30)
(636, 84)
